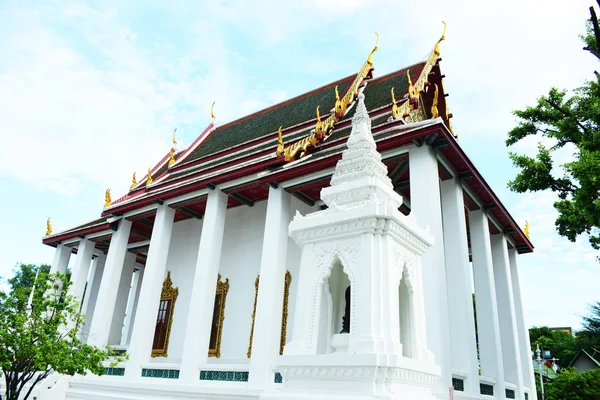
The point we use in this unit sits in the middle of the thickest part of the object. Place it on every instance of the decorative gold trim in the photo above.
(434, 107)
(107, 199)
(249, 352)
(48, 227)
(168, 293)
(324, 128)
(526, 230)
(133, 181)
(284, 311)
(222, 289)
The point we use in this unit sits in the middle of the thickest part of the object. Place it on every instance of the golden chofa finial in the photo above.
(280, 148)
(526, 230)
(171, 157)
(149, 180)
(370, 58)
(133, 181)
(212, 110)
(395, 108)
(434, 107)
(436, 49)
(175, 137)
(107, 199)
(48, 227)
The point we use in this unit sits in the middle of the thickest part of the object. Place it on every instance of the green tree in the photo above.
(589, 336)
(571, 119)
(39, 321)
(573, 386)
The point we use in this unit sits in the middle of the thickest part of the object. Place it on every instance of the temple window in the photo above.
(164, 319)
(216, 331)
(405, 316)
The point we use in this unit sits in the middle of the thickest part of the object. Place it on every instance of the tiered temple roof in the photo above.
(249, 154)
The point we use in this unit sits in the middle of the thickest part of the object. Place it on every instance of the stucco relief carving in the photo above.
(326, 255)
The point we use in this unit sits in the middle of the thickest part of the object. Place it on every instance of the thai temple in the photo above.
(338, 245)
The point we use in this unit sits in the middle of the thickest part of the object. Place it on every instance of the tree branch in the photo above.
(567, 114)
(40, 378)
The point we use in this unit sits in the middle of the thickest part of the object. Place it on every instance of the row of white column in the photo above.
(504, 353)
(108, 294)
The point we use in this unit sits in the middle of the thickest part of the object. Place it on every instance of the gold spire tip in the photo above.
(212, 110)
(174, 136)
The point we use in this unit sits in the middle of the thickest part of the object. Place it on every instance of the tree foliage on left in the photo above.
(39, 323)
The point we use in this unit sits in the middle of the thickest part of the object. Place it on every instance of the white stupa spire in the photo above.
(360, 175)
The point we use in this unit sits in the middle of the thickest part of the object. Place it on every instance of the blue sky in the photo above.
(90, 92)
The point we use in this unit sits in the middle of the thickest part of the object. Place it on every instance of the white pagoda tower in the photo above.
(359, 330)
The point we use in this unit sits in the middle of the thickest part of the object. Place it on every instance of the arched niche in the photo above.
(335, 311)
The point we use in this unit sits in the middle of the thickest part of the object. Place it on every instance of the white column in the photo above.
(426, 207)
(458, 280)
(109, 286)
(490, 349)
(116, 325)
(89, 303)
(131, 304)
(506, 314)
(86, 298)
(136, 302)
(199, 319)
(156, 264)
(61, 259)
(81, 268)
(522, 332)
(267, 331)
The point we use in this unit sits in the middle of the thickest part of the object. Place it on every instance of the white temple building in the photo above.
(335, 257)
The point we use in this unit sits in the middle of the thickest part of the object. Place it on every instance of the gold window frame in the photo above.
(168, 293)
(284, 313)
(222, 289)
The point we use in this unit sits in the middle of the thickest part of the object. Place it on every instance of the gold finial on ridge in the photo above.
(107, 199)
(280, 147)
(174, 137)
(212, 110)
(370, 58)
(434, 107)
(133, 181)
(48, 227)
(436, 49)
(149, 180)
(171, 157)
(526, 230)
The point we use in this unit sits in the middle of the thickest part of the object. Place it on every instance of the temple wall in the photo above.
(181, 262)
(240, 263)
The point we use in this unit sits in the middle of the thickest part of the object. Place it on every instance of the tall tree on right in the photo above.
(566, 119)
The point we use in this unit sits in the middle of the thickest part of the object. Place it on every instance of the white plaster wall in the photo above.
(181, 262)
(240, 263)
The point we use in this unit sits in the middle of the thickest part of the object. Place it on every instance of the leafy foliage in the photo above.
(567, 120)
(573, 386)
(39, 323)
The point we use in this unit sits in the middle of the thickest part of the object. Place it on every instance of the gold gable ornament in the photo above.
(149, 180)
(107, 199)
(133, 181)
(48, 227)
(171, 157)
(526, 230)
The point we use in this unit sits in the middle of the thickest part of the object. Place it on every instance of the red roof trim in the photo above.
(71, 234)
